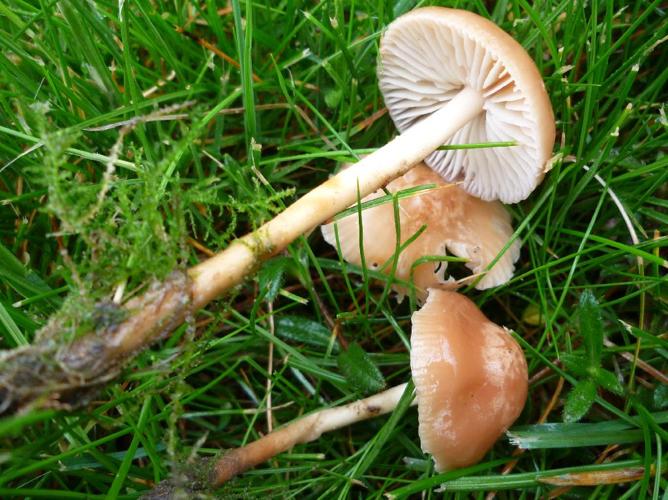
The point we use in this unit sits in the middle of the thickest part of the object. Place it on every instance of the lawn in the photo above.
(139, 137)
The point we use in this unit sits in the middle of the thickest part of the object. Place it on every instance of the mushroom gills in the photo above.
(431, 55)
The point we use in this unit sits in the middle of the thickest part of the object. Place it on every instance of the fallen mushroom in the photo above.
(470, 228)
(446, 75)
(434, 57)
(470, 381)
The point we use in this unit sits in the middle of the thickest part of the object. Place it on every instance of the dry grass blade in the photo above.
(597, 478)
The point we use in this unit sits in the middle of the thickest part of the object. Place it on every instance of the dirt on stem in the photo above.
(63, 370)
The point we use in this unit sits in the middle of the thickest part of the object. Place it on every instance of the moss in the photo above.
(112, 230)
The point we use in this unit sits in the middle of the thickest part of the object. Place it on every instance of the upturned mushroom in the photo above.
(434, 59)
(470, 382)
(448, 76)
(468, 227)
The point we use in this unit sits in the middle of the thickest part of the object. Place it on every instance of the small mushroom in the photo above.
(470, 379)
(463, 224)
(471, 384)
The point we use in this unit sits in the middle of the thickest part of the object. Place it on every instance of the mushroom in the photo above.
(447, 75)
(436, 58)
(470, 380)
(470, 228)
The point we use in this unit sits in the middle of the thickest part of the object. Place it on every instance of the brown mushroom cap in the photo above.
(468, 227)
(428, 56)
(470, 379)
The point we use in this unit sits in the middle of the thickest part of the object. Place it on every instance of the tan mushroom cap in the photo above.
(466, 226)
(470, 379)
(428, 56)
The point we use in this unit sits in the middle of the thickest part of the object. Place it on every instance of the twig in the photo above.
(162, 114)
(596, 478)
(209, 46)
(283, 105)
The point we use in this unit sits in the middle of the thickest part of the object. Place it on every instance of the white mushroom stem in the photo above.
(223, 271)
(304, 430)
(228, 268)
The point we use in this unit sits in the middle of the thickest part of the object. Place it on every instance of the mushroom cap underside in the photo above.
(428, 55)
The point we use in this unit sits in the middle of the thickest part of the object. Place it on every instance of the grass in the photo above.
(244, 106)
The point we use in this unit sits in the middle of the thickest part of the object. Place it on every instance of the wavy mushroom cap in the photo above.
(380, 235)
(466, 226)
(470, 379)
(428, 55)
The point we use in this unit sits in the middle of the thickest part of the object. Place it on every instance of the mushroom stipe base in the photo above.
(65, 372)
(306, 429)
